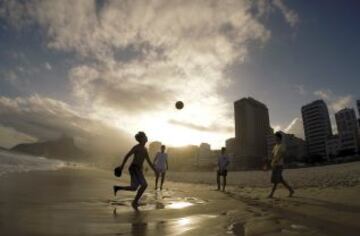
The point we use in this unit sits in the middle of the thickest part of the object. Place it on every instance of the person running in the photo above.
(277, 163)
(223, 163)
(161, 166)
(136, 169)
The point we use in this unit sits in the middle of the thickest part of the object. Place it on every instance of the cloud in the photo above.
(300, 89)
(290, 16)
(9, 137)
(296, 127)
(342, 102)
(138, 57)
(45, 118)
(335, 102)
(48, 66)
(211, 128)
(325, 94)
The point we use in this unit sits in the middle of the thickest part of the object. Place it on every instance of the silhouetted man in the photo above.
(277, 163)
(223, 163)
(161, 166)
(136, 169)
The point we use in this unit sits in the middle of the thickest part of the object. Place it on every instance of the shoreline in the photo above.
(76, 201)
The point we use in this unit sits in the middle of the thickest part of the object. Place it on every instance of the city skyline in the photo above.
(95, 71)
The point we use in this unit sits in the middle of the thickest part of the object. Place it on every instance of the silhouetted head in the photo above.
(223, 150)
(163, 147)
(141, 137)
(278, 137)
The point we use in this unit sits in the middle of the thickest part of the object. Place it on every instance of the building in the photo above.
(205, 158)
(317, 128)
(230, 150)
(270, 143)
(154, 147)
(358, 108)
(183, 158)
(295, 147)
(332, 146)
(251, 127)
(348, 130)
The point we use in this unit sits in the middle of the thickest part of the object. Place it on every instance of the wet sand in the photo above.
(81, 202)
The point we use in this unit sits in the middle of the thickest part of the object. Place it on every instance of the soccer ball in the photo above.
(179, 105)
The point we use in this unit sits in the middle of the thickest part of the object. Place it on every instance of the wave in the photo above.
(14, 162)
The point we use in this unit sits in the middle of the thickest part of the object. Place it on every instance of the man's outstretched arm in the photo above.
(149, 161)
(131, 152)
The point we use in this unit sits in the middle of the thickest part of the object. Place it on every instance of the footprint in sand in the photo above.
(237, 229)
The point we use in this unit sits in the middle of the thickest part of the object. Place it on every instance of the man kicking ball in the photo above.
(136, 169)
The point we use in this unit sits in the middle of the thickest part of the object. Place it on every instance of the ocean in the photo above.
(11, 162)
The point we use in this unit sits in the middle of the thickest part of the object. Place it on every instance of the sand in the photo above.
(80, 202)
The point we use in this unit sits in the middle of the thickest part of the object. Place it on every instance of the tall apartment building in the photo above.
(358, 108)
(348, 129)
(230, 150)
(317, 127)
(332, 146)
(251, 127)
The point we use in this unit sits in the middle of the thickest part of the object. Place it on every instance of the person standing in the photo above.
(161, 166)
(136, 169)
(277, 165)
(223, 163)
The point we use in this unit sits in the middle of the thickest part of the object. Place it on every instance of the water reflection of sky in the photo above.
(179, 205)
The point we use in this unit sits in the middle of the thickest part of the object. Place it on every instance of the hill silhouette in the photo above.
(63, 148)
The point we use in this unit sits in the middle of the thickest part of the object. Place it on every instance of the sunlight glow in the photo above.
(179, 205)
(158, 126)
(184, 221)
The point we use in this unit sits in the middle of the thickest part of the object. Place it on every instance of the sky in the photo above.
(103, 70)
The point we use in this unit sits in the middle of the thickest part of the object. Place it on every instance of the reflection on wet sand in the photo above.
(181, 225)
(179, 205)
(157, 201)
(142, 225)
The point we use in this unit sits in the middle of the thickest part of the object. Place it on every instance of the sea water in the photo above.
(11, 162)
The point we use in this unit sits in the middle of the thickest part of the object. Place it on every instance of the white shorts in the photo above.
(160, 170)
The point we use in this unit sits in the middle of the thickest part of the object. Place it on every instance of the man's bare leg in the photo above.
(156, 181)
(126, 188)
(224, 183)
(291, 191)
(139, 193)
(162, 180)
(272, 191)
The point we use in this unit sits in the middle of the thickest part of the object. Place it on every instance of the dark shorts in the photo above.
(222, 173)
(137, 176)
(276, 174)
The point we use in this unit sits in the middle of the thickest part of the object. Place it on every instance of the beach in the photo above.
(80, 201)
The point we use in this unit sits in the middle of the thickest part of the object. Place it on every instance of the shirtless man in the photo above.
(136, 169)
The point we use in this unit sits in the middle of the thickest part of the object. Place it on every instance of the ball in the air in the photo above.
(179, 105)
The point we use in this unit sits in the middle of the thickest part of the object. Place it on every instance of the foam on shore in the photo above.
(14, 162)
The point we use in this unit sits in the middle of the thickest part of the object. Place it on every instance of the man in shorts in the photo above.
(223, 163)
(277, 163)
(161, 166)
(140, 154)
